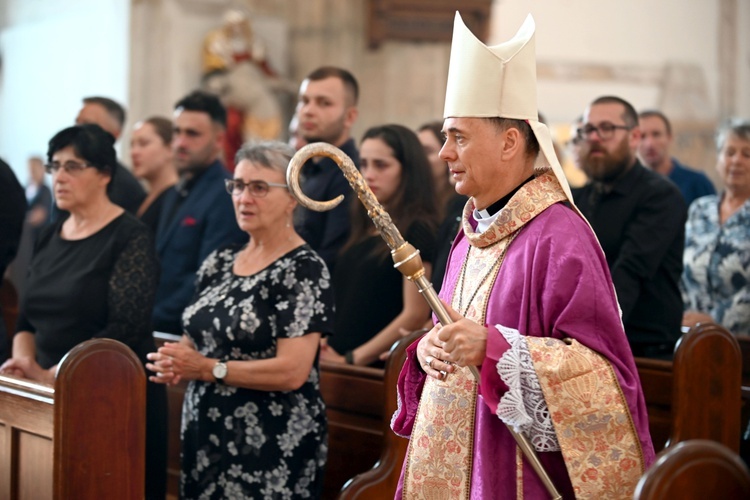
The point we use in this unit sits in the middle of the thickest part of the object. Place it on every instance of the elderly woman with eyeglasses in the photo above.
(253, 419)
(93, 275)
(716, 276)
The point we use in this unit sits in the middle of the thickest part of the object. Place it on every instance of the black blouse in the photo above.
(368, 290)
(100, 286)
(151, 216)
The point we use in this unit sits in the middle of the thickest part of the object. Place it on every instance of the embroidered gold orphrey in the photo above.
(439, 458)
(592, 420)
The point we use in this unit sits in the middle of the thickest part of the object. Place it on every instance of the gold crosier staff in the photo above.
(405, 257)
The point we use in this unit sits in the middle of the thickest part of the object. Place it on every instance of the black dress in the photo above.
(102, 286)
(368, 290)
(152, 214)
(244, 443)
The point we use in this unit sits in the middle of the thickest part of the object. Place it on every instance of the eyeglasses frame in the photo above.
(229, 184)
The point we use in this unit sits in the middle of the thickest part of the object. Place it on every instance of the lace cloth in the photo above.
(523, 406)
(132, 286)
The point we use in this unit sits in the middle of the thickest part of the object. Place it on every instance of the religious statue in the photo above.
(236, 69)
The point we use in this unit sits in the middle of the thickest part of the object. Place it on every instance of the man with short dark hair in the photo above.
(125, 191)
(533, 309)
(639, 218)
(326, 112)
(653, 151)
(198, 215)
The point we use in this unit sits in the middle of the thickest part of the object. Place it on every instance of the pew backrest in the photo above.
(175, 397)
(83, 438)
(657, 383)
(695, 469)
(381, 481)
(354, 397)
(707, 387)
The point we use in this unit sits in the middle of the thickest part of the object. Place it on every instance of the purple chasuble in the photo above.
(554, 282)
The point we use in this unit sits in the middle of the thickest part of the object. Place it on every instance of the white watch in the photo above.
(219, 370)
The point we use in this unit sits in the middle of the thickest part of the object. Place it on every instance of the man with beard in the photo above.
(198, 215)
(326, 112)
(639, 218)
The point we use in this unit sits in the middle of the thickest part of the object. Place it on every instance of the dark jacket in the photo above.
(189, 229)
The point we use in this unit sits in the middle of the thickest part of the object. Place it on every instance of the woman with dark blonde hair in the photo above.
(374, 302)
(431, 136)
(151, 155)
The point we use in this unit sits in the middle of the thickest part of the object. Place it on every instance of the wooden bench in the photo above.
(698, 395)
(381, 481)
(695, 469)
(83, 438)
(657, 383)
(175, 396)
(355, 407)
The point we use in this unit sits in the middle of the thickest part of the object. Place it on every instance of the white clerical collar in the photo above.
(484, 219)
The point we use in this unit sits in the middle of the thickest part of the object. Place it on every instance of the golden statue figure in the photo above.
(236, 69)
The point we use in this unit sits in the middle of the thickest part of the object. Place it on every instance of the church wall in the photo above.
(55, 52)
(688, 59)
(743, 60)
(146, 53)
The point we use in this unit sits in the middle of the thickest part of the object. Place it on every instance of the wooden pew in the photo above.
(657, 383)
(175, 396)
(697, 396)
(381, 481)
(695, 469)
(355, 401)
(83, 438)
(744, 342)
(706, 398)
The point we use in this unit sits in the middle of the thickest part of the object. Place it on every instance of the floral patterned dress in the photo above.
(242, 443)
(716, 277)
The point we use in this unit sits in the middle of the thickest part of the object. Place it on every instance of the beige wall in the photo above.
(665, 53)
(55, 52)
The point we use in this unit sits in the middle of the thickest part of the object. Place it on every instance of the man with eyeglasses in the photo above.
(198, 216)
(639, 218)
